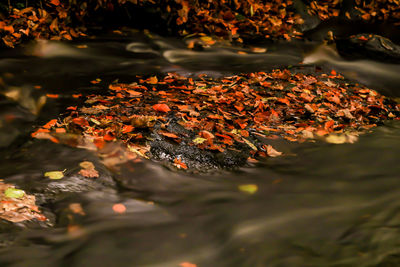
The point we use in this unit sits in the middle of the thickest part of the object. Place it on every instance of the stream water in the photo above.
(319, 205)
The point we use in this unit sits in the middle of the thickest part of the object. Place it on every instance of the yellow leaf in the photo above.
(199, 140)
(248, 188)
(54, 175)
(250, 144)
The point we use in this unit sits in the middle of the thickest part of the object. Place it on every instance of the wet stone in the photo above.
(372, 46)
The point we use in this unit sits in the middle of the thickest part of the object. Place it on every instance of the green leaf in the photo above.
(54, 175)
(248, 188)
(14, 193)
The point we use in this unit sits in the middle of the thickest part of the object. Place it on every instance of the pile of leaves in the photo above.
(222, 114)
(377, 10)
(64, 20)
(51, 20)
(237, 19)
(16, 205)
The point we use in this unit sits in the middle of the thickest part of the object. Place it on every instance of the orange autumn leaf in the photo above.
(9, 28)
(171, 135)
(55, 2)
(60, 130)
(239, 107)
(134, 93)
(99, 143)
(96, 81)
(89, 173)
(152, 80)
(50, 124)
(119, 208)
(161, 108)
(127, 128)
(329, 124)
(54, 25)
(108, 137)
(187, 264)
(52, 95)
(180, 164)
(81, 122)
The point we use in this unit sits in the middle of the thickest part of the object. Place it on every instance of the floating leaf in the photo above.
(187, 264)
(248, 188)
(119, 208)
(54, 175)
(14, 193)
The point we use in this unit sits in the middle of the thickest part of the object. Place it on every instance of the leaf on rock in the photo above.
(14, 193)
(54, 175)
(88, 170)
(17, 206)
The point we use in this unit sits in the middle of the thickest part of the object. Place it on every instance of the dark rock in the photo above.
(363, 46)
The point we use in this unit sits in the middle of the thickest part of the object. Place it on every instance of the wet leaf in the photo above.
(180, 164)
(119, 208)
(250, 144)
(88, 170)
(14, 193)
(199, 140)
(55, 2)
(17, 206)
(272, 152)
(161, 108)
(248, 188)
(77, 208)
(54, 175)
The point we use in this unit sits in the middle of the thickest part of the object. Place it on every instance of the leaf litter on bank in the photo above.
(220, 114)
(16, 205)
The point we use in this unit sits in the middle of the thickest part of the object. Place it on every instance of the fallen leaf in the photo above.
(17, 206)
(119, 208)
(248, 188)
(52, 95)
(89, 173)
(55, 2)
(54, 175)
(170, 135)
(161, 108)
(180, 164)
(14, 193)
(199, 140)
(88, 170)
(250, 144)
(272, 152)
(76, 208)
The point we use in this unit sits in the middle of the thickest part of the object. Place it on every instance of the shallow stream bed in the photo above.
(318, 205)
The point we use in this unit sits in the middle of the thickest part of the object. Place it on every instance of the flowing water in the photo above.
(319, 205)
